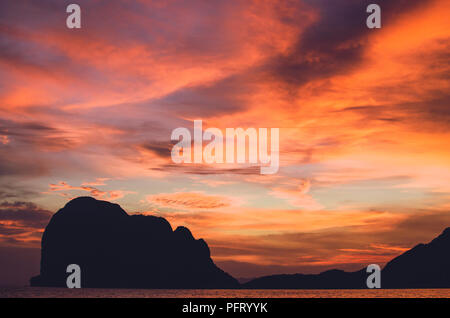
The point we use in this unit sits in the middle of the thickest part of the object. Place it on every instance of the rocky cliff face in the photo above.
(116, 250)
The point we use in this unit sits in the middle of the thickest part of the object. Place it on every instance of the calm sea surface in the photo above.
(27, 292)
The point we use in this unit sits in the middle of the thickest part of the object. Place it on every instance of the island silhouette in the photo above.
(117, 250)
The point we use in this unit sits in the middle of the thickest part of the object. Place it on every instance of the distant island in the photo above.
(117, 250)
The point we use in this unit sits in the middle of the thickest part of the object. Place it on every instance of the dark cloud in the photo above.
(39, 134)
(335, 43)
(15, 158)
(222, 97)
(18, 51)
(429, 115)
(161, 149)
(29, 13)
(23, 129)
(10, 192)
(24, 215)
(206, 170)
(10, 232)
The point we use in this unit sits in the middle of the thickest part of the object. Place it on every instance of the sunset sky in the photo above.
(364, 119)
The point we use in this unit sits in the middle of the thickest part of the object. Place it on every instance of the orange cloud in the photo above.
(63, 188)
(22, 223)
(189, 200)
(4, 139)
(297, 195)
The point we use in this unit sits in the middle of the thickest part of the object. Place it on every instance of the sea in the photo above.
(46, 292)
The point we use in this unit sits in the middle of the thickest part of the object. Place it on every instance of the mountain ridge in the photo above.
(423, 266)
(117, 250)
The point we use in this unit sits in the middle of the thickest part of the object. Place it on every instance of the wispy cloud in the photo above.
(22, 223)
(66, 190)
(189, 200)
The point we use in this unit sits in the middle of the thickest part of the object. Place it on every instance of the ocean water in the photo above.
(32, 292)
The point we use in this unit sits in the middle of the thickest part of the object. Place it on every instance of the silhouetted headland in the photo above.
(424, 266)
(117, 250)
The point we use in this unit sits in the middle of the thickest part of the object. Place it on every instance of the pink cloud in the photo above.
(296, 194)
(65, 189)
(189, 200)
